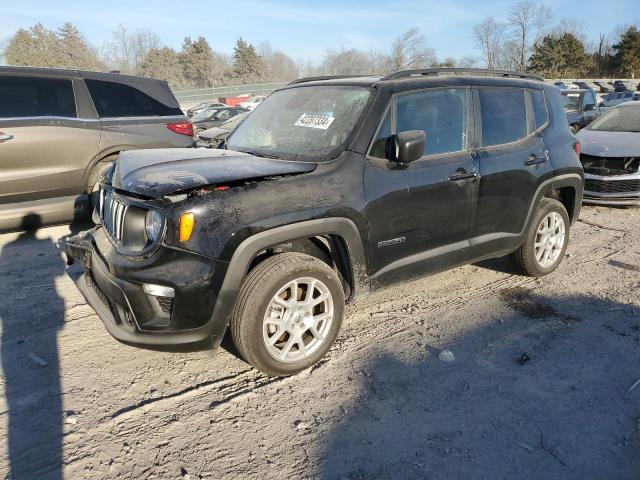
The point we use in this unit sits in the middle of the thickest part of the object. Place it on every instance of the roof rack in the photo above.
(326, 77)
(474, 71)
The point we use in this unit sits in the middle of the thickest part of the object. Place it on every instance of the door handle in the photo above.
(462, 174)
(4, 137)
(535, 160)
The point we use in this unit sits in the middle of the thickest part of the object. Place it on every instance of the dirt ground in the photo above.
(539, 388)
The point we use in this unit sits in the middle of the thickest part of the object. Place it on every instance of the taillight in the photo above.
(576, 147)
(181, 128)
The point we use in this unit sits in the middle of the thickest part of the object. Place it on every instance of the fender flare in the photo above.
(247, 250)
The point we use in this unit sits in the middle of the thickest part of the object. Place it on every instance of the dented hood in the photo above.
(156, 173)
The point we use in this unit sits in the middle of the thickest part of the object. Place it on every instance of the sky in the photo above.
(302, 29)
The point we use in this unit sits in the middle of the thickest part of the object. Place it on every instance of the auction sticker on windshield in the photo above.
(311, 120)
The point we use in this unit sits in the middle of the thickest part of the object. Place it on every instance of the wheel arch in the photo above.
(336, 241)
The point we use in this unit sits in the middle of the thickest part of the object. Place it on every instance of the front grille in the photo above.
(112, 214)
(612, 186)
(607, 166)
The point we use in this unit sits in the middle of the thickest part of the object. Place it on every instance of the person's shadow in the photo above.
(31, 314)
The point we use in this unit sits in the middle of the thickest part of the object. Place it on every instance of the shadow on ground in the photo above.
(540, 394)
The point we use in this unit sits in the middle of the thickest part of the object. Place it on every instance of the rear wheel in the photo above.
(288, 313)
(546, 239)
(574, 129)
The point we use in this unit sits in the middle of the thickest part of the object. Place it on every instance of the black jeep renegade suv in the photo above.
(333, 187)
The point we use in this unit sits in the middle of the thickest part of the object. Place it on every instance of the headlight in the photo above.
(153, 225)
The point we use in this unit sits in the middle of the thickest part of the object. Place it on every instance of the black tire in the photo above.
(92, 181)
(574, 129)
(526, 255)
(255, 297)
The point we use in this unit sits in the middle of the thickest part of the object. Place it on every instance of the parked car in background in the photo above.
(620, 86)
(581, 107)
(214, 136)
(604, 87)
(201, 106)
(616, 98)
(610, 156)
(253, 102)
(214, 116)
(59, 128)
(331, 189)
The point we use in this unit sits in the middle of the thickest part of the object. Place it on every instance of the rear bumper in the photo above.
(614, 190)
(115, 290)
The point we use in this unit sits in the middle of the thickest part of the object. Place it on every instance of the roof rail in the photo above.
(325, 77)
(446, 70)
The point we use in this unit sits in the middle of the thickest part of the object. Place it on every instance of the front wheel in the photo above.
(288, 313)
(546, 239)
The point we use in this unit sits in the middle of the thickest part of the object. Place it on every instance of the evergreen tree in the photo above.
(558, 56)
(74, 51)
(627, 56)
(247, 65)
(197, 62)
(164, 64)
(40, 47)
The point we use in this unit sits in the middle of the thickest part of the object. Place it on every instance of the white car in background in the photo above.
(253, 102)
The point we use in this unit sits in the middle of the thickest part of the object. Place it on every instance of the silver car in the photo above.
(59, 128)
(610, 155)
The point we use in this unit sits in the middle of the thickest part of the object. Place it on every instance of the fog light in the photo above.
(158, 290)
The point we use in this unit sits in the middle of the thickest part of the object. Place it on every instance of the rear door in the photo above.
(421, 215)
(513, 161)
(44, 145)
(136, 116)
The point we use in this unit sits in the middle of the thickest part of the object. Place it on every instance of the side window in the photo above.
(36, 97)
(539, 107)
(114, 99)
(441, 114)
(503, 115)
(378, 149)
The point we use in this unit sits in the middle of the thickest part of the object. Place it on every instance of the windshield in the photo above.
(621, 119)
(304, 123)
(233, 123)
(570, 101)
(205, 114)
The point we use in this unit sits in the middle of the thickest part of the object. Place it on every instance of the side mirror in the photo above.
(409, 146)
(590, 107)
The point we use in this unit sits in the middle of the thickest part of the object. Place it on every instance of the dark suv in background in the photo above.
(58, 128)
(331, 188)
(581, 107)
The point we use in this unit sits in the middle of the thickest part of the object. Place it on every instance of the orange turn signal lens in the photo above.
(187, 222)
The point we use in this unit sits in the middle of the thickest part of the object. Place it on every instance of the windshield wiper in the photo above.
(261, 155)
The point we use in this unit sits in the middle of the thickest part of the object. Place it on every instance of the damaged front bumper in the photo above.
(170, 298)
(613, 190)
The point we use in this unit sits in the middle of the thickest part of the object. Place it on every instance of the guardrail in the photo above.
(213, 93)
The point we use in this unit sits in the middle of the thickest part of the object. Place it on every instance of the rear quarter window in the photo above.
(540, 110)
(23, 97)
(503, 115)
(113, 99)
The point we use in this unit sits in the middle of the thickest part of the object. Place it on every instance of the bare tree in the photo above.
(346, 62)
(127, 50)
(410, 51)
(488, 36)
(527, 19)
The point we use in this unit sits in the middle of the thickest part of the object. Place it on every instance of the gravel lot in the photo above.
(539, 387)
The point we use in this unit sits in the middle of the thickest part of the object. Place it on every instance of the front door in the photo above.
(420, 216)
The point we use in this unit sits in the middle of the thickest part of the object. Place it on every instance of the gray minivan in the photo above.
(59, 128)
